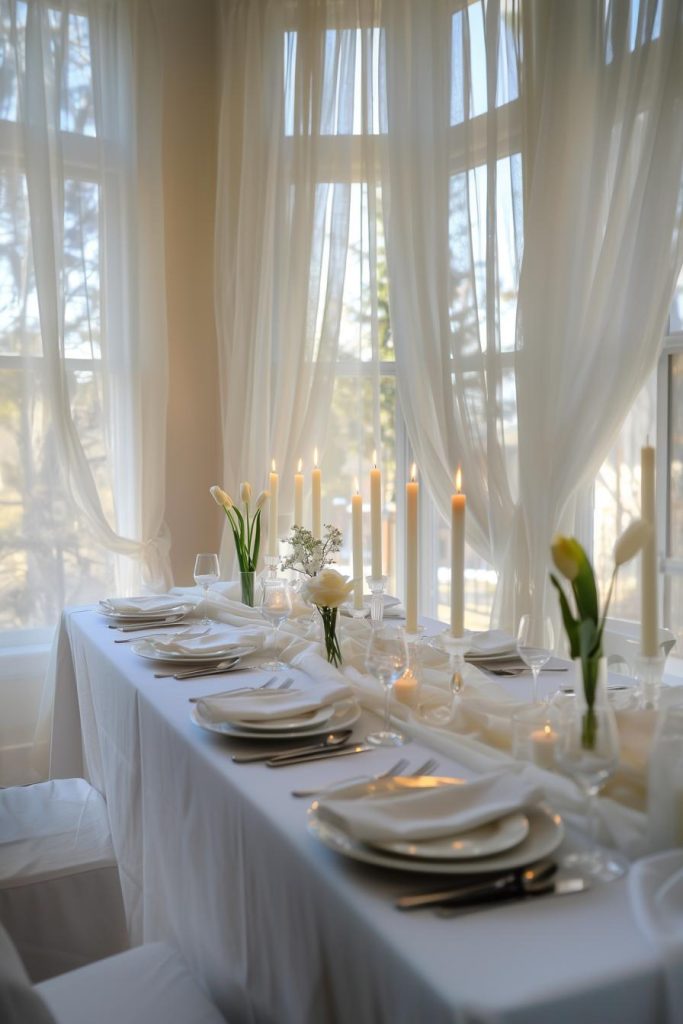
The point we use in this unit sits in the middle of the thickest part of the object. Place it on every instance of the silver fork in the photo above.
(285, 685)
(430, 765)
(396, 769)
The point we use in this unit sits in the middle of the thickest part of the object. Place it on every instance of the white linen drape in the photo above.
(603, 159)
(598, 131)
(133, 335)
(119, 498)
(282, 226)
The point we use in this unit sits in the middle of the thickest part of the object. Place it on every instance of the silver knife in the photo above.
(153, 624)
(283, 762)
(532, 876)
(560, 887)
(330, 742)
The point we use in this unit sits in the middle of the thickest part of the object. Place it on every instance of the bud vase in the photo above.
(332, 649)
(590, 688)
(247, 584)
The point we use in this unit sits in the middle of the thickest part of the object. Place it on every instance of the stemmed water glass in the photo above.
(387, 659)
(535, 644)
(591, 765)
(206, 572)
(276, 606)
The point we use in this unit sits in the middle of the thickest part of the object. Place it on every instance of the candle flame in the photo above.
(374, 458)
(300, 465)
(315, 457)
(356, 485)
(547, 729)
(272, 465)
(458, 480)
(413, 473)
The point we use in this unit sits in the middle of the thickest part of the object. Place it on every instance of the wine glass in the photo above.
(206, 572)
(535, 643)
(587, 749)
(276, 606)
(387, 658)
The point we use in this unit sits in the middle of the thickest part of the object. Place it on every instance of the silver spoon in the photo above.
(221, 666)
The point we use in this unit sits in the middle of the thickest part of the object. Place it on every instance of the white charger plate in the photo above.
(294, 724)
(144, 649)
(546, 832)
(484, 841)
(345, 713)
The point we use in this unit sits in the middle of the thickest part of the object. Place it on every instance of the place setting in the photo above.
(130, 614)
(321, 716)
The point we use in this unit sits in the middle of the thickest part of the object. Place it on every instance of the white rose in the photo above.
(245, 493)
(327, 590)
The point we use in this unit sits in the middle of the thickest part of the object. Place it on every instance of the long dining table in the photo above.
(216, 858)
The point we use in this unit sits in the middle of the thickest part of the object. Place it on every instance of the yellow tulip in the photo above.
(245, 493)
(567, 555)
(261, 500)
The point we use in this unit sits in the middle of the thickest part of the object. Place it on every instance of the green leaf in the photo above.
(585, 590)
(571, 625)
(589, 642)
(257, 539)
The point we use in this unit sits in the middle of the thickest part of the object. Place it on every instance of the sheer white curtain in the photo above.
(453, 191)
(592, 119)
(603, 144)
(287, 160)
(82, 313)
(132, 327)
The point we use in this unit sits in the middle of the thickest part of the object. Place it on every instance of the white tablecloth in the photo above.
(216, 859)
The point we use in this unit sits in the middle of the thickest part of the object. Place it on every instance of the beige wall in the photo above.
(188, 39)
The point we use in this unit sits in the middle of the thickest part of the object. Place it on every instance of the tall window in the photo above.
(47, 560)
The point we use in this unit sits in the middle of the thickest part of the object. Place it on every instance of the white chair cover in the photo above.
(60, 895)
(19, 1004)
(145, 985)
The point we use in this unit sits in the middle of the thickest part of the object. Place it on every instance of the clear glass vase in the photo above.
(591, 694)
(330, 639)
(247, 580)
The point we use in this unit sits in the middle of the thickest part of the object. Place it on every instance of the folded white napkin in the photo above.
(216, 640)
(491, 643)
(269, 705)
(134, 605)
(656, 888)
(412, 814)
(320, 670)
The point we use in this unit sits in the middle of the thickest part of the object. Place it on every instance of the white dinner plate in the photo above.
(484, 841)
(546, 832)
(294, 724)
(345, 713)
(146, 649)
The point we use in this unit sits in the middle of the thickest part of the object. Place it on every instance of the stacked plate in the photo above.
(507, 842)
(144, 609)
(152, 649)
(328, 718)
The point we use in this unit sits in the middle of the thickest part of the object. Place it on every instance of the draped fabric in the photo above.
(581, 128)
(82, 312)
(121, 152)
(287, 160)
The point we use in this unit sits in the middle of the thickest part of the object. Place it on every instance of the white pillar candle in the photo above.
(649, 647)
(458, 507)
(316, 498)
(357, 534)
(543, 742)
(273, 539)
(376, 518)
(299, 495)
(412, 497)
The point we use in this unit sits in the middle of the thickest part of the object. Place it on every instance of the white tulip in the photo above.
(220, 497)
(245, 493)
(327, 590)
(261, 500)
(631, 541)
